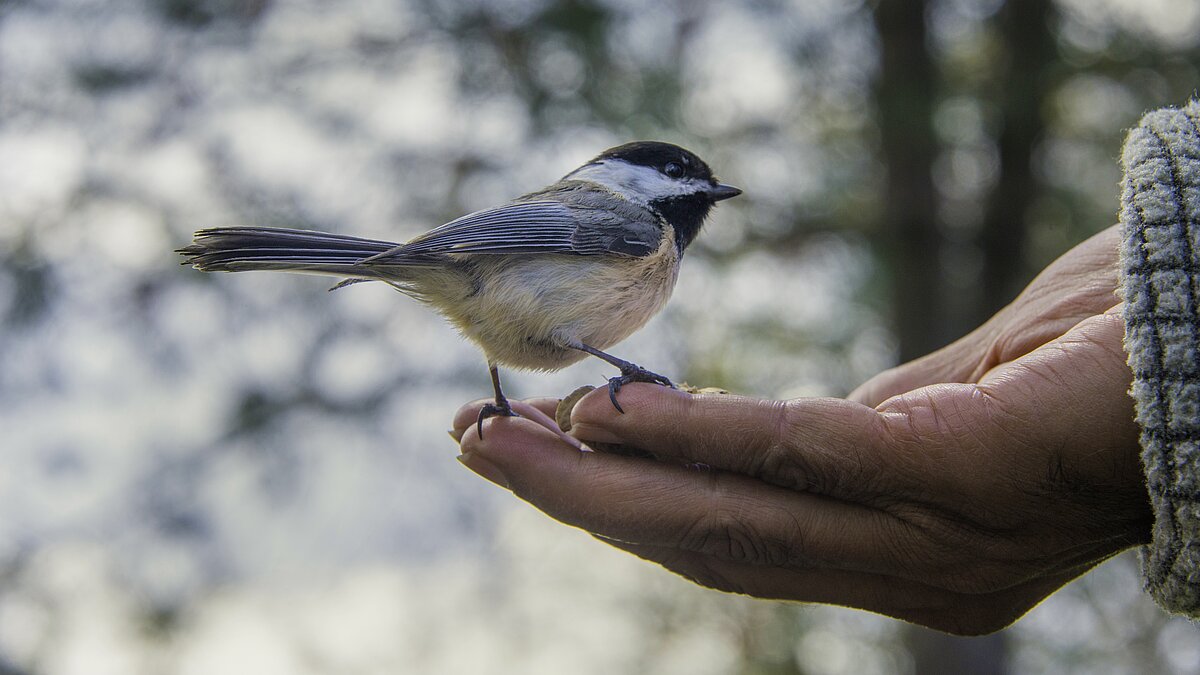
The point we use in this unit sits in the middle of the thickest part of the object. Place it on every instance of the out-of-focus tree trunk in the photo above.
(905, 97)
(1025, 30)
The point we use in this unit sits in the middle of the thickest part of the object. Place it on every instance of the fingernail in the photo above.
(484, 468)
(594, 433)
(456, 435)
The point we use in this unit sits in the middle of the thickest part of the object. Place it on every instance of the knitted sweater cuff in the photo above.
(1160, 278)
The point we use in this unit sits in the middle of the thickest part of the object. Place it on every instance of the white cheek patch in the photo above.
(641, 184)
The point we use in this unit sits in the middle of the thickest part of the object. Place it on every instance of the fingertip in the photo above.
(484, 468)
(541, 408)
(653, 414)
(511, 440)
(466, 416)
(864, 394)
(639, 401)
(519, 454)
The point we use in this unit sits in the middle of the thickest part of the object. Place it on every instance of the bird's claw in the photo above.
(503, 409)
(633, 373)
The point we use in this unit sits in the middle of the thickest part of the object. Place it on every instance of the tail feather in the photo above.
(239, 249)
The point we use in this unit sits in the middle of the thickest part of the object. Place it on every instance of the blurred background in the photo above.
(218, 473)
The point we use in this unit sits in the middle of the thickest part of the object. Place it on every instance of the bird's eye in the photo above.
(673, 170)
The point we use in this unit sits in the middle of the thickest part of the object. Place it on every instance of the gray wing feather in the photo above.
(610, 233)
(536, 226)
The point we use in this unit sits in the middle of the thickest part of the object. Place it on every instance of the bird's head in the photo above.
(669, 180)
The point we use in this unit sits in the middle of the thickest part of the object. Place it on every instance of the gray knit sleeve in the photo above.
(1160, 267)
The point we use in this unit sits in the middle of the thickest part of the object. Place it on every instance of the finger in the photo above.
(861, 590)
(1080, 283)
(953, 363)
(724, 515)
(468, 414)
(825, 446)
(931, 606)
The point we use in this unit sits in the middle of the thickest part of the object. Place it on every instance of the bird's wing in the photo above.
(536, 226)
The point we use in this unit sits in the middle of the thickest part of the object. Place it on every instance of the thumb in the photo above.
(955, 363)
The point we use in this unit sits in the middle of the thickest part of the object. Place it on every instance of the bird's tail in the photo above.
(240, 249)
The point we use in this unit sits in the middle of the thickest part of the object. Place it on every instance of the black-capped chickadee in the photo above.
(537, 283)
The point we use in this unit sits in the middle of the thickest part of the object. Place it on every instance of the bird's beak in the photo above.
(722, 191)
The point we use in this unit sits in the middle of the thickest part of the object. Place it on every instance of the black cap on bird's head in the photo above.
(673, 181)
(672, 161)
(659, 155)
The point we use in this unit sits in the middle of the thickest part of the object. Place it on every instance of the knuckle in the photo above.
(782, 462)
(947, 554)
(728, 531)
(701, 572)
(832, 449)
(709, 577)
(776, 459)
(910, 550)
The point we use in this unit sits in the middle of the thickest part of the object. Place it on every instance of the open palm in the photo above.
(956, 491)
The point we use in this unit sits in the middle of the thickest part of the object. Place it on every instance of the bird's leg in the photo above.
(500, 407)
(630, 372)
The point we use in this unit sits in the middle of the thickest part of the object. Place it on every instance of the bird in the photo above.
(538, 283)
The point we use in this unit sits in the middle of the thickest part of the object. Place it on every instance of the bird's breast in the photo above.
(526, 309)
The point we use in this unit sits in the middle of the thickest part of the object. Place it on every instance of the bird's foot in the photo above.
(631, 372)
(500, 408)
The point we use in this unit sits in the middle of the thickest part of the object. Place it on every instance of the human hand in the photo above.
(955, 492)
